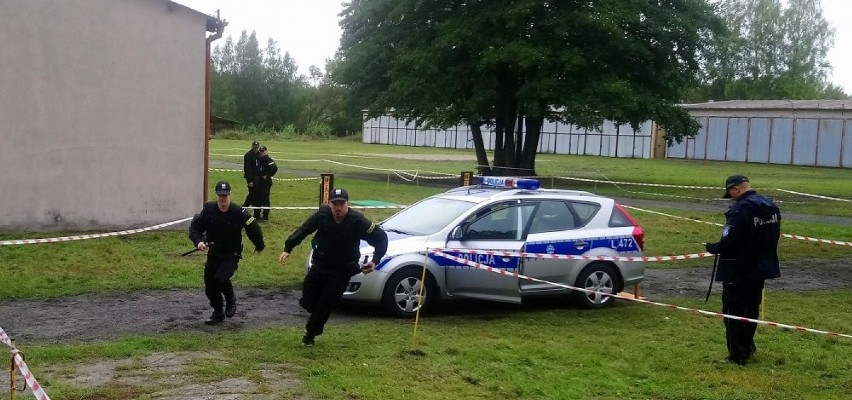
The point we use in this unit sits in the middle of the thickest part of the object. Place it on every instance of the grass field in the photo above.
(493, 351)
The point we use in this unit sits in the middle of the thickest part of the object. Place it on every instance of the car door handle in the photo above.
(580, 244)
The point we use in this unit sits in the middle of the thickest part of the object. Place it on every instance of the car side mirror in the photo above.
(456, 233)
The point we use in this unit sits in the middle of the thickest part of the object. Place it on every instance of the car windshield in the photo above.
(426, 217)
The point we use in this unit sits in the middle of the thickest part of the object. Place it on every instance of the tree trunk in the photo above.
(499, 157)
(533, 126)
(479, 147)
(507, 110)
(519, 141)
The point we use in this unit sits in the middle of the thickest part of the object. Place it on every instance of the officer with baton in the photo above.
(222, 222)
(748, 255)
(339, 231)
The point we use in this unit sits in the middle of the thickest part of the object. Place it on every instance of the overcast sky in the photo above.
(308, 29)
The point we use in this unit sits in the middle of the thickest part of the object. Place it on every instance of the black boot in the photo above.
(230, 306)
(215, 318)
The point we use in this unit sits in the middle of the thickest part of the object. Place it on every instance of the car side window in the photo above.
(551, 216)
(585, 212)
(502, 222)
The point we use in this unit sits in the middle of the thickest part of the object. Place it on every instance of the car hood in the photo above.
(399, 243)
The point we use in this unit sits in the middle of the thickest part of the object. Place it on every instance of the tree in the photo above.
(253, 86)
(771, 52)
(511, 64)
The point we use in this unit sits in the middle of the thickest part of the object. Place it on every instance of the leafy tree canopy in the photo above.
(445, 62)
(771, 51)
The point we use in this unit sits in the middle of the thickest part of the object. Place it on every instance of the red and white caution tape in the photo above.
(33, 384)
(36, 388)
(295, 179)
(92, 236)
(315, 207)
(4, 338)
(810, 239)
(671, 216)
(543, 256)
(814, 195)
(630, 298)
(786, 235)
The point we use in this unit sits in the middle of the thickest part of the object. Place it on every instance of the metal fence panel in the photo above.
(758, 140)
(717, 139)
(557, 138)
(805, 141)
(737, 143)
(846, 145)
(781, 141)
(677, 150)
(830, 134)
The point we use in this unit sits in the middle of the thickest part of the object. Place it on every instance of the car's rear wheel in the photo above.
(401, 296)
(598, 278)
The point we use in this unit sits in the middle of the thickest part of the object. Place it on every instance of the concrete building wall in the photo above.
(101, 113)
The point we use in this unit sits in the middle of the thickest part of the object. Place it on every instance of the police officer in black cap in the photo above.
(251, 173)
(222, 222)
(748, 255)
(264, 189)
(335, 258)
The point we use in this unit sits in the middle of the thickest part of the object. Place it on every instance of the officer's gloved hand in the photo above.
(711, 248)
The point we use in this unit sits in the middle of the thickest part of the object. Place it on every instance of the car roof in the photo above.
(478, 194)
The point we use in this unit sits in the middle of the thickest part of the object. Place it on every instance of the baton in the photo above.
(712, 277)
(194, 250)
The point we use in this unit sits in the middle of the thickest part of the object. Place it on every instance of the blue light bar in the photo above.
(509, 183)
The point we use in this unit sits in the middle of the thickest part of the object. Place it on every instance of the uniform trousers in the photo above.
(320, 294)
(218, 272)
(252, 198)
(263, 192)
(743, 300)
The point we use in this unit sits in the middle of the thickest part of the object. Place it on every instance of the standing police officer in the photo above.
(251, 173)
(335, 258)
(264, 190)
(748, 253)
(222, 222)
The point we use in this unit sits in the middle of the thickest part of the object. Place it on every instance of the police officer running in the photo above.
(251, 173)
(264, 190)
(222, 222)
(339, 231)
(748, 255)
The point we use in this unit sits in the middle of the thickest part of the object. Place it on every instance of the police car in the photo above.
(521, 221)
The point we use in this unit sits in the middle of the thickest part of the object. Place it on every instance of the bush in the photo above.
(319, 129)
(260, 132)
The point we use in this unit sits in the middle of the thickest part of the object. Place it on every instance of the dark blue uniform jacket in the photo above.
(748, 249)
(337, 246)
(225, 229)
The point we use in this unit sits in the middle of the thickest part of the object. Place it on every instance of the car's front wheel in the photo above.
(401, 296)
(599, 279)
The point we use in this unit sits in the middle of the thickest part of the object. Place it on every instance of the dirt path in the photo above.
(111, 315)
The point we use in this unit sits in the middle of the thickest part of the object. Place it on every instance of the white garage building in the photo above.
(102, 113)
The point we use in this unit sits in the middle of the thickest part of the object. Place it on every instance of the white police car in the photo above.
(507, 215)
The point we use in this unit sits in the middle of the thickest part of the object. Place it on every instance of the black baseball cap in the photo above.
(223, 188)
(262, 148)
(255, 144)
(732, 181)
(339, 194)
